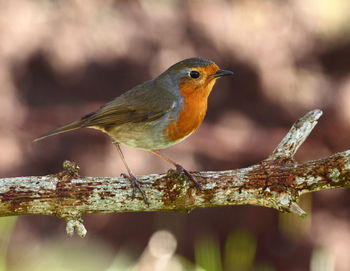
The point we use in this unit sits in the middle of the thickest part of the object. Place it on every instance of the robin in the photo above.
(155, 114)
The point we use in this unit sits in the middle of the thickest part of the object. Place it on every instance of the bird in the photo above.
(156, 114)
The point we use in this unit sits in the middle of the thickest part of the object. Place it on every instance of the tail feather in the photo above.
(68, 127)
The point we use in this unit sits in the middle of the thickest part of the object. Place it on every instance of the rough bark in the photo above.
(276, 182)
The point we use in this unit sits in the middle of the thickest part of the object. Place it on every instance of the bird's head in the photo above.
(194, 75)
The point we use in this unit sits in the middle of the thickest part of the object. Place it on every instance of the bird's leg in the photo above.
(131, 177)
(179, 169)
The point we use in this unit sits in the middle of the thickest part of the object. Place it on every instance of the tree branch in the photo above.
(276, 182)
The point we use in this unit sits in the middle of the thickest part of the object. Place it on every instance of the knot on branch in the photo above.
(69, 172)
(71, 169)
(75, 225)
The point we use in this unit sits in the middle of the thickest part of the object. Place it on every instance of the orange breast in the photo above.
(193, 111)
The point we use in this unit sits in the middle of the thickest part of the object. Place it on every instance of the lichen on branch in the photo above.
(276, 182)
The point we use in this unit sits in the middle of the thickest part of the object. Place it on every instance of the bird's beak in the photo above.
(221, 73)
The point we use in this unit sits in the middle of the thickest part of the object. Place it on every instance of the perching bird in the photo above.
(155, 114)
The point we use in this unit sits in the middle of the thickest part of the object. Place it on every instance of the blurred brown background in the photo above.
(62, 59)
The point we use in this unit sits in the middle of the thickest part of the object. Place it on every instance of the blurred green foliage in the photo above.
(240, 249)
(207, 254)
(238, 253)
(7, 225)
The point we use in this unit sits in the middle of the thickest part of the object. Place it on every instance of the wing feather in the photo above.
(141, 104)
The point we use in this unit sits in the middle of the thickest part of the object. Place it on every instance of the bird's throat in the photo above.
(191, 115)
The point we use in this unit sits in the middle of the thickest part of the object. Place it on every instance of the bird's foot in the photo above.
(136, 186)
(181, 170)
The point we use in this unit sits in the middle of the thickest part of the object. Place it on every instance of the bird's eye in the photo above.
(194, 74)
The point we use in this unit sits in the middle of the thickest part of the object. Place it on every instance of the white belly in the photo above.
(143, 135)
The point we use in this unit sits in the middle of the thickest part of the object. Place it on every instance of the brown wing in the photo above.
(143, 103)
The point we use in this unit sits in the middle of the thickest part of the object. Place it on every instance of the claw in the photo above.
(136, 186)
(181, 170)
